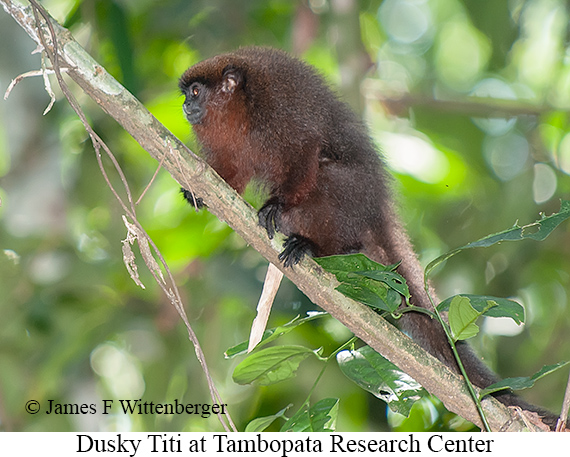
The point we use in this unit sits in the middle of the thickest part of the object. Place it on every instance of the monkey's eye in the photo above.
(195, 90)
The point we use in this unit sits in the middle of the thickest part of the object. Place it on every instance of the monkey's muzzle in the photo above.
(194, 112)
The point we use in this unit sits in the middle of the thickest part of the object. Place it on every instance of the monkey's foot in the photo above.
(196, 202)
(295, 248)
(268, 215)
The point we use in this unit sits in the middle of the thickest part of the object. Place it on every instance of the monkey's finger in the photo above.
(295, 248)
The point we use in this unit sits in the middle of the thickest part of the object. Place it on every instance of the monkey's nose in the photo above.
(193, 114)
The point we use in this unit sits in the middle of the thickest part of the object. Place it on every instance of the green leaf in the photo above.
(504, 307)
(338, 264)
(390, 278)
(366, 281)
(520, 383)
(380, 377)
(462, 317)
(371, 293)
(261, 423)
(538, 231)
(321, 417)
(274, 333)
(270, 365)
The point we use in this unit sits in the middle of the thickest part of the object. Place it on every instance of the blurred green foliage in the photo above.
(76, 329)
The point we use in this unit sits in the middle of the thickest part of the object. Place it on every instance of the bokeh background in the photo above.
(468, 100)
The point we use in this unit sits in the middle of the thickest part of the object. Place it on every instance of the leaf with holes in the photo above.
(521, 383)
(380, 377)
(537, 231)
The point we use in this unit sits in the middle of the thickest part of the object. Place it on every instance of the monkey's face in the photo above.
(205, 93)
(195, 103)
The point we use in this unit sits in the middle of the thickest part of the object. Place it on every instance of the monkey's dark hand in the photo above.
(295, 248)
(269, 215)
(194, 201)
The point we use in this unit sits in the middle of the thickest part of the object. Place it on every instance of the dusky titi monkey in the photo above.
(260, 113)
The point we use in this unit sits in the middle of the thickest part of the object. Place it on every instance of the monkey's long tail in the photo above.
(427, 332)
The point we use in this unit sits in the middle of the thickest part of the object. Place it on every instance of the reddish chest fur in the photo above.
(224, 135)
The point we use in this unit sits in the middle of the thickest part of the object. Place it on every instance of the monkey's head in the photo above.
(209, 86)
(259, 103)
(216, 103)
(256, 85)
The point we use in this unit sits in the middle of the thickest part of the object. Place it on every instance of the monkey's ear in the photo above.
(232, 78)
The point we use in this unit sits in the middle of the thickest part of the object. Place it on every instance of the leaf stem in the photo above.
(327, 360)
(451, 341)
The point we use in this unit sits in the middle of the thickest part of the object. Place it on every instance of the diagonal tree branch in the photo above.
(194, 174)
(134, 231)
